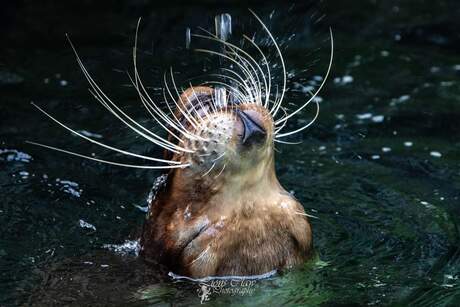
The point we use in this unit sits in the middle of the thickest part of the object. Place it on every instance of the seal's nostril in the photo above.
(252, 133)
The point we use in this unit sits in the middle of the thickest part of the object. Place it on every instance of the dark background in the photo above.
(32, 30)
(41, 24)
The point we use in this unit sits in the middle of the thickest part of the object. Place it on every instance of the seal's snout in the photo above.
(253, 133)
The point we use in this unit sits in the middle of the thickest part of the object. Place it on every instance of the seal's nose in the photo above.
(253, 133)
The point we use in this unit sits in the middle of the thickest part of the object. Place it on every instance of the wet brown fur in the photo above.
(240, 223)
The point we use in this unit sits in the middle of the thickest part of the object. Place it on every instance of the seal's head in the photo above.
(231, 137)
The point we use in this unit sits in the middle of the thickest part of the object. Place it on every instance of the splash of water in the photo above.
(223, 23)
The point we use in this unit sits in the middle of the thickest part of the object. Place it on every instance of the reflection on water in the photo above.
(380, 169)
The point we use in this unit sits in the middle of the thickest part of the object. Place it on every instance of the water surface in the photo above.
(380, 168)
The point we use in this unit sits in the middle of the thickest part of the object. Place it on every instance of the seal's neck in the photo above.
(246, 182)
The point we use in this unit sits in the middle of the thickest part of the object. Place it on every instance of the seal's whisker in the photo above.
(288, 143)
(267, 90)
(209, 170)
(236, 50)
(153, 105)
(276, 106)
(103, 99)
(254, 80)
(149, 102)
(277, 135)
(219, 157)
(102, 144)
(158, 141)
(244, 69)
(284, 123)
(319, 88)
(183, 110)
(202, 106)
(224, 77)
(221, 171)
(213, 102)
(196, 109)
(306, 214)
(149, 109)
(257, 81)
(107, 161)
(232, 89)
(200, 103)
(246, 86)
(182, 102)
(182, 130)
(201, 255)
(161, 142)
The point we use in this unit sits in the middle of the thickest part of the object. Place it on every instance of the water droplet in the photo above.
(223, 24)
(386, 149)
(220, 97)
(408, 144)
(435, 154)
(188, 38)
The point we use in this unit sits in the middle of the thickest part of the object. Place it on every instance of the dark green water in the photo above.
(380, 168)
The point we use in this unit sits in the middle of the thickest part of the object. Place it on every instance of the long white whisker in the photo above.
(219, 157)
(288, 143)
(302, 128)
(235, 50)
(175, 117)
(280, 55)
(267, 90)
(103, 99)
(221, 171)
(230, 78)
(201, 255)
(182, 129)
(163, 143)
(202, 106)
(320, 87)
(233, 89)
(150, 102)
(284, 123)
(244, 82)
(244, 69)
(214, 164)
(149, 109)
(106, 161)
(166, 118)
(183, 104)
(305, 214)
(102, 144)
(190, 118)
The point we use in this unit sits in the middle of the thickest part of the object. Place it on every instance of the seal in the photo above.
(226, 212)
(219, 209)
